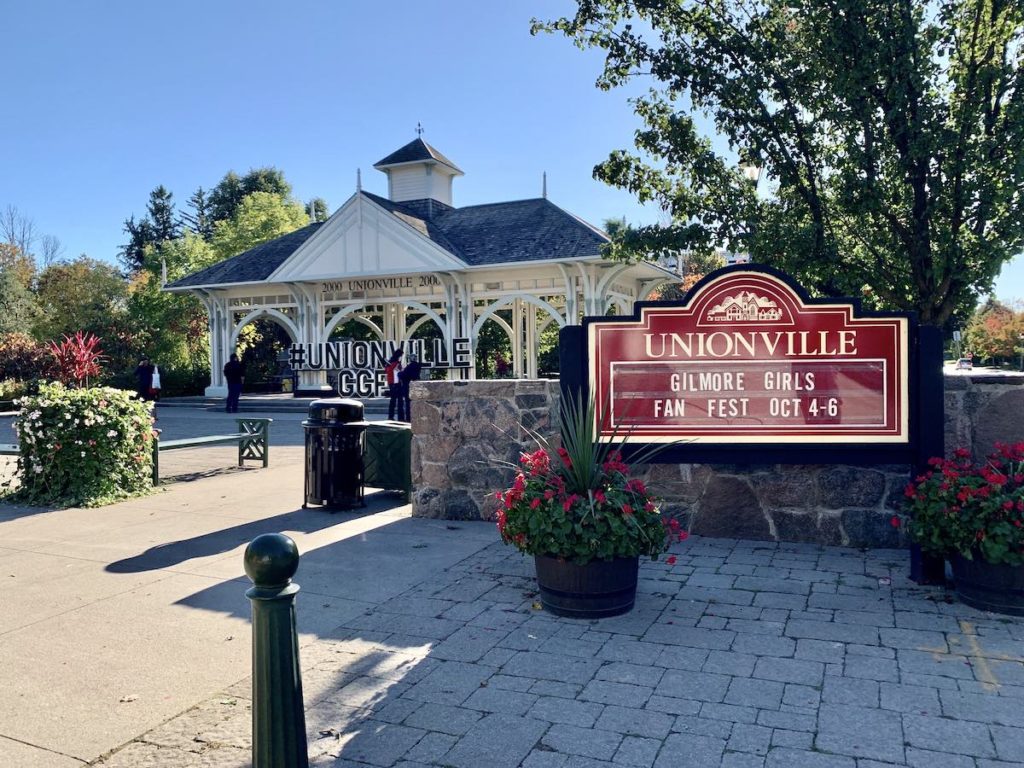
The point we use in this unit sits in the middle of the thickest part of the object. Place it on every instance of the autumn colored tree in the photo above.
(996, 332)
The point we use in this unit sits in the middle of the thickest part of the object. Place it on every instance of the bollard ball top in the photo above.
(271, 560)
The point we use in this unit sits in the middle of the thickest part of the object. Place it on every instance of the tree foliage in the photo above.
(261, 216)
(891, 136)
(996, 332)
(317, 209)
(227, 196)
(18, 310)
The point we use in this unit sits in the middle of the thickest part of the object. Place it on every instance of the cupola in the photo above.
(417, 171)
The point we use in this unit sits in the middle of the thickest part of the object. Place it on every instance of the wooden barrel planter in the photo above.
(988, 587)
(593, 591)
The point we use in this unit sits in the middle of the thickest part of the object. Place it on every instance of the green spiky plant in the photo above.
(578, 501)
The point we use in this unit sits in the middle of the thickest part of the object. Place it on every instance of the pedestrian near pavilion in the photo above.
(396, 405)
(409, 374)
(234, 374)
(144, 379)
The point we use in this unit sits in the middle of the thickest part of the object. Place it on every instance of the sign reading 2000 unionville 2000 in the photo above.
(748, 360)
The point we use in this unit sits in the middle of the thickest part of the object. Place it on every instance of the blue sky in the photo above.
(113, 98)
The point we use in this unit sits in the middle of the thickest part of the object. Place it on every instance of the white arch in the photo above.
(351, 308)
(282, 319)
(371, 325)
(420, 321)
(509, 300)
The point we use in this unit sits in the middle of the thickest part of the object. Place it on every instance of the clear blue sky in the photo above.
(106, 100)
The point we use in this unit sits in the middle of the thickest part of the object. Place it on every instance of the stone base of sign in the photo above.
(467, 436)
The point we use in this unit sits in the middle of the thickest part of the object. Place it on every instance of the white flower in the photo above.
(83, 454)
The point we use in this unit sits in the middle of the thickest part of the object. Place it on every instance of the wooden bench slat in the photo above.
(185, 442)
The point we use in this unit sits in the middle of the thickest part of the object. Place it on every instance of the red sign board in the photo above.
(748, 360)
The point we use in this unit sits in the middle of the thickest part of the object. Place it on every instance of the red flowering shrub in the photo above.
(77, 358)
(958, 506)
(581, 503)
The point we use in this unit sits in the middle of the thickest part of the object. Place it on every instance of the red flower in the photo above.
(670, 560)
(636, 486)
(627, 510)
(535, 503)
(599, 497)
(894, 521)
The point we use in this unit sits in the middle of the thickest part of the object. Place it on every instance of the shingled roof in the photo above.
(415, 151)
(479, 235)
(250, 266)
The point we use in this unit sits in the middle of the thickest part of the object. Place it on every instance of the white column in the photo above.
(518, 342)
(531, 341)
(218, 348)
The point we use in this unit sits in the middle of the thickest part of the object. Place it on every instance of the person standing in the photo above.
(409, 374)
(396, 405)
(144, 379)
(234, 373)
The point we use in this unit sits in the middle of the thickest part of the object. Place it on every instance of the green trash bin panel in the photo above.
(387, 456)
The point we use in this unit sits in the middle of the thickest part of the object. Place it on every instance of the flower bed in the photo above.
(82, 447)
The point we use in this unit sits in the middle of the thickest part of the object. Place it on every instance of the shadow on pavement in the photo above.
(226, 539)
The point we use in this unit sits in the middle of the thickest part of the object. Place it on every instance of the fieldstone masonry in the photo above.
(982, 411)
(467, 436)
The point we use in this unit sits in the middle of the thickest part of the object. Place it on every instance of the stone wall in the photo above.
(467, 434)
(983, 410)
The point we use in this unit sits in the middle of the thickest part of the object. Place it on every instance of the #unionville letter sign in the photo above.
(749, 359)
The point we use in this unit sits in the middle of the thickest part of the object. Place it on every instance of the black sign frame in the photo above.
(926, 395)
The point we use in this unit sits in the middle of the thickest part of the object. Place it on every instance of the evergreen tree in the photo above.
(199, 220)
(161, 214)
(140, 234)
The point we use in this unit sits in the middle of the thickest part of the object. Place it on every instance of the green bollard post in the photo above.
(278, 717)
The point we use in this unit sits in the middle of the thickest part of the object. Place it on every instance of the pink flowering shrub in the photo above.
(579, 502)
(82, 447)
(958, 506)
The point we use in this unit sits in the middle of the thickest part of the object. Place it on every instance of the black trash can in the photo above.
(335, 436)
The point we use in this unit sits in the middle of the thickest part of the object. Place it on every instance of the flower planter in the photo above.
(596, 590)
(996, 588)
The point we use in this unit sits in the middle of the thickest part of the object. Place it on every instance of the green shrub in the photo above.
(82, 447)
(11, 389)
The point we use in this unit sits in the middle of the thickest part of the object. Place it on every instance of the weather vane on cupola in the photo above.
(419, 128)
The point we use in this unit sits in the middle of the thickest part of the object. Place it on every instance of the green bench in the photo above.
(253, 438)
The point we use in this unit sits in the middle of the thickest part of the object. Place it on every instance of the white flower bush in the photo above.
(82, 447)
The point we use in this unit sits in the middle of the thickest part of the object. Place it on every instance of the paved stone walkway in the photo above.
(741, 655)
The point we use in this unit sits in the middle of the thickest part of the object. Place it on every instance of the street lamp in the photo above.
(751, 172)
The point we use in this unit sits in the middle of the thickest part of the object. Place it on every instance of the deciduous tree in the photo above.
(261, 216)
(890, 134)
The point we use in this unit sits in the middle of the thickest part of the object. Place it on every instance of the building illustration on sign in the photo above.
(745, 305)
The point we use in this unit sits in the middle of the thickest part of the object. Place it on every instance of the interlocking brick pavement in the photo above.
(741, 655)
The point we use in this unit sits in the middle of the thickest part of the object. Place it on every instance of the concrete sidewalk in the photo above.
(116, 619)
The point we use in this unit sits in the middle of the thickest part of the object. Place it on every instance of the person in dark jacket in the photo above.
(234, 373)
(144, 379)
(392, 371)
(409, 374)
